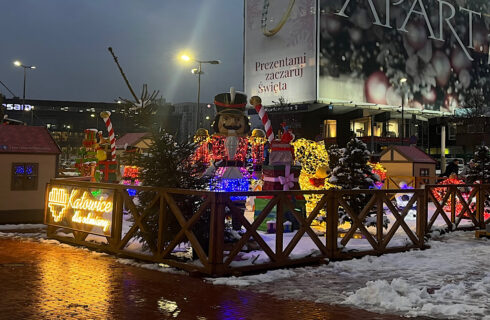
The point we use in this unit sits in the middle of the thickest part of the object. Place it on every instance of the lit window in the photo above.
(330, 128)
(24, 176)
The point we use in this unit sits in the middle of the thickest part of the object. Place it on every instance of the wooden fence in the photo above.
(205, 230)
(456, 203)
(393, 182)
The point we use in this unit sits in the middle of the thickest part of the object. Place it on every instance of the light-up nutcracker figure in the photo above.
(229, 145)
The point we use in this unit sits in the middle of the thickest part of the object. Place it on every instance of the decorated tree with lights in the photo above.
(334, 155)
(481, 171)
(168, 164)
(354, 172)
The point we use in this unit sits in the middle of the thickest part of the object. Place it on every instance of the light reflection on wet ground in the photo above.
(49, 281)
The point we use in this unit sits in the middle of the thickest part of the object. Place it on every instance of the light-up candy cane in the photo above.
(257, 103)
(105, 115)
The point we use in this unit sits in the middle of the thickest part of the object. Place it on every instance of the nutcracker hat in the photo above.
(230, 102)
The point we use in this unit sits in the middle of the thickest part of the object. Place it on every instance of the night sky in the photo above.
(67, 41)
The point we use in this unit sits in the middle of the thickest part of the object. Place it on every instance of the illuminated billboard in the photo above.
(280, 50)
(432, 52)
(84, 209)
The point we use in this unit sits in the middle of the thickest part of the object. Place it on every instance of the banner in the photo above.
(432, 53)
(77, 208)
(280, 51)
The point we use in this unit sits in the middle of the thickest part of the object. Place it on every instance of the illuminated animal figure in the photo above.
(313, 158)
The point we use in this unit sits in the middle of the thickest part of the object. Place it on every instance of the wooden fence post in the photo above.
(118, 217)
(162, 212)
(379, 217)
(279, 228)
(217, 233)
(421, 215)
(452, 198)
(480, 205)
(332, 223)
(426, 209)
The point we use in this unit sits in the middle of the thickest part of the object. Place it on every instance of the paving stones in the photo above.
(48, 281)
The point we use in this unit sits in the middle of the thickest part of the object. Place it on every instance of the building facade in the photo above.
(28, 160)
(382, 71)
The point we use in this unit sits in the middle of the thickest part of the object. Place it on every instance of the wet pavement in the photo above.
(53, 281)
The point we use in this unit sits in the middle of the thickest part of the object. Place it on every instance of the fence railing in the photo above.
(393, 182)
(458, 203)
(158, 225)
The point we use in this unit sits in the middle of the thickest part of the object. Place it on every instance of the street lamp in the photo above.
(17, 63)
(198, 71)
(402, 135)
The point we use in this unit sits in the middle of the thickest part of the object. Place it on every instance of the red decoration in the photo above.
(105, 116)
(257, 153)
(202, 153)
(265, 121)
(317, 182)
(218, 149)
(108, 167)
(131, 172)
(439, 194)
(279, 176)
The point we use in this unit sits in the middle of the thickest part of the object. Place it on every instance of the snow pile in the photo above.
(26, 226)
(451, 280)
(399, 295)
(255, 279)
(151, 266)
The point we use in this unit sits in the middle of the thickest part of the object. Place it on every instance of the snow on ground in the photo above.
(26, 226)
(451, 280)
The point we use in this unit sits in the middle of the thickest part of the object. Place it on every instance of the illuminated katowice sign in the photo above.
(83, 209)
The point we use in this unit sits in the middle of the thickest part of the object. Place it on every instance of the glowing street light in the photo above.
(17, 63)
(402, 135)
(198, 71)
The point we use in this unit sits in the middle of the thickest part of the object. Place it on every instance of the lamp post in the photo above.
(198, 71)
(17, 63)
(402, 135)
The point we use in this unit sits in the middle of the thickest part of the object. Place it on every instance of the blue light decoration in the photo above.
(19, 170)
(29, 170)
(402, 200)
(132, 192)
(231, 185)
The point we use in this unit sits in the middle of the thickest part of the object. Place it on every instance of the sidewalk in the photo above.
(56, 281)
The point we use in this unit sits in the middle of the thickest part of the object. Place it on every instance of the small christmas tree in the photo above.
(168, 164)
(354, 172)
(481, 171)
(334, 155)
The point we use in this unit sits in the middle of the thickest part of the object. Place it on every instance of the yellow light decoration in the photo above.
(313, 158)
(91, 220)
(101, 155)
(86, 209)
(85, 203)
(257, 141)
(58, 201)
(310, 155)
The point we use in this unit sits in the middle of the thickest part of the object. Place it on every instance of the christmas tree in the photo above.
(354, 172)
(334, 155)
(168, 164)
(481, 170)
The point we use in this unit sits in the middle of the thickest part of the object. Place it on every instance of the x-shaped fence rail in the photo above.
(148, 224)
